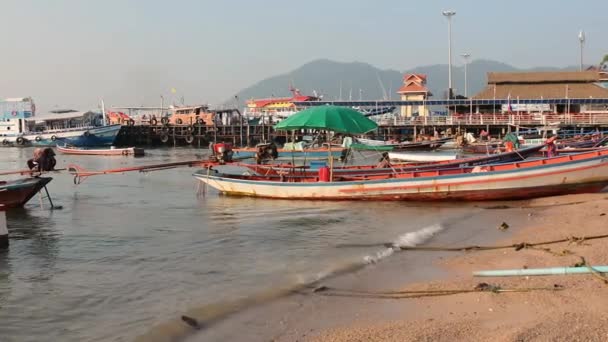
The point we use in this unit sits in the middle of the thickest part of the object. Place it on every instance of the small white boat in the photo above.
(423, 157)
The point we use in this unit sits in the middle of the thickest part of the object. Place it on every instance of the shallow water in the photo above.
(129, 251)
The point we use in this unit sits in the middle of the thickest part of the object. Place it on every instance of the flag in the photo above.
(173, 91)
(509, 107)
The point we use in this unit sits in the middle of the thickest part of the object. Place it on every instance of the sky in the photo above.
(72, 53)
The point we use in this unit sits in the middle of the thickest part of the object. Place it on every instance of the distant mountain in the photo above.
(357, 79)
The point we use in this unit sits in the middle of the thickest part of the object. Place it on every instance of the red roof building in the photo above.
(414, 89)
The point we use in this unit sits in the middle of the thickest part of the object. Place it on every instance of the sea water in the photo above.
(130, 251)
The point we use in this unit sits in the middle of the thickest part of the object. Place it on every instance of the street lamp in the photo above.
(449, 15)
(466, 62)
(581, 39)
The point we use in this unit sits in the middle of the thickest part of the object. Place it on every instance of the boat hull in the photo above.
(130, 151)
(15, 194)
(81, 137)
(422, 157)
(571, 176)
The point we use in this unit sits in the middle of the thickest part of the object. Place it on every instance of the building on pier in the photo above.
(414, 89)
(543, 85)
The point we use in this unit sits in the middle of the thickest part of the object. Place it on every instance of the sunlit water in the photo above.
(129, 251)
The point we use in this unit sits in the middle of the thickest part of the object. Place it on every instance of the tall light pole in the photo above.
(581, 39)
(449, 15)
(466, 62)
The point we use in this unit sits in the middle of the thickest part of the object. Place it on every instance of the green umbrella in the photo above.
(330, 118)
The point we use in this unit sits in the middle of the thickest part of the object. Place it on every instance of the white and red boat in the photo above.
(128, 151)
(576, 173)
(507, 157)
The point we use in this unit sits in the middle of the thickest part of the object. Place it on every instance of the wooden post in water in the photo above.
(3, 229)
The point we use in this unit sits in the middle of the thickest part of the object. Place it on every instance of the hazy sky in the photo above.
(71, 53)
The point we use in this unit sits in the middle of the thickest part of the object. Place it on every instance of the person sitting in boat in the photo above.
(551, 147)
(484, 135)
(43, 160)
(384, 162)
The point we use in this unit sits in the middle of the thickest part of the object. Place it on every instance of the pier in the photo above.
(463, 117)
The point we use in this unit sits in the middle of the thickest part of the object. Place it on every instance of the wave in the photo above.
(409, 239)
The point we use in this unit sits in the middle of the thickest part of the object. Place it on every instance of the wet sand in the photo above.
(320, 316)
(576, 313)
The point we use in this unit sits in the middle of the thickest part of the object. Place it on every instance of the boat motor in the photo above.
(266, 152)
(43, 160)
(221, 152)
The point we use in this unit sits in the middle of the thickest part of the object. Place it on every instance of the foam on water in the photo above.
(409, 239)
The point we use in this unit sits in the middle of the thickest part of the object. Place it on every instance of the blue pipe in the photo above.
(540, 271)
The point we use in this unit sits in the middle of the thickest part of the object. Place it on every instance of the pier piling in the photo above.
(3, 229)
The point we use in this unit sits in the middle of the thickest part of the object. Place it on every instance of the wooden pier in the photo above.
(244, 134)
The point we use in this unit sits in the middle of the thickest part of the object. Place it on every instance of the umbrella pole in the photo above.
(331, 159)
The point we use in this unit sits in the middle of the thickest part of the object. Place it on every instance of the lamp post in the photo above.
(449, 15)
(466, 62)
(581, 39)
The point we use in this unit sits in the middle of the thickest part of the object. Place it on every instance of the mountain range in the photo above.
(354, 80)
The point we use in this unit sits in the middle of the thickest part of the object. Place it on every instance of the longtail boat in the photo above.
(15, 193)
(129, 151)
(427, 145)
(311, 153)
(423, 157)
(269, 169)
(569, 174)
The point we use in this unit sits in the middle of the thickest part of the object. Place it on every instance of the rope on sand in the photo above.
(516, 246)
(481, 287)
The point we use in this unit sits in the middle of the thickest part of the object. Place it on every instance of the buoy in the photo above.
(53, 137)
(3, 229)
(164, 138)
(153, 122)
(38, 138)
(20, 141)
(189, 139)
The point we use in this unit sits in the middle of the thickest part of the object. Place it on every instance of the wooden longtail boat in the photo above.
(578, 173)
(312, 153)
(15, 193)
(423, 157)
(129, 151)
(399, 167)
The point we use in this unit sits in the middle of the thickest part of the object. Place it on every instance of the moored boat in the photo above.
(286, 153)
(579, 173)
(19, 126)
(423, 157)
(15, 193)
(309, 171)
(129, 151)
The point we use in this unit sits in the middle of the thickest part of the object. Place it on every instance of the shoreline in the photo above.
(301, 315)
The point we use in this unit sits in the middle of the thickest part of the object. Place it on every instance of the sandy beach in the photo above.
(575, 313)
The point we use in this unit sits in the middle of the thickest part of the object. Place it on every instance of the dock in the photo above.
(462, 118)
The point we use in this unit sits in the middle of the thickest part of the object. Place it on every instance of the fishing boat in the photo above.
(129, 151)
(19, 126)
(426, 145)
(15, 193)
(423, 157)
(313, 170)
(289, 153)
(578, 173)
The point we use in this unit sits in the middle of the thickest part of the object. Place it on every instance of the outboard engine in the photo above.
(222, 152)
(43, 160)
(266, 152)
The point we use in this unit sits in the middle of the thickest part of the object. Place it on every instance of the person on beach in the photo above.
(551, 147)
